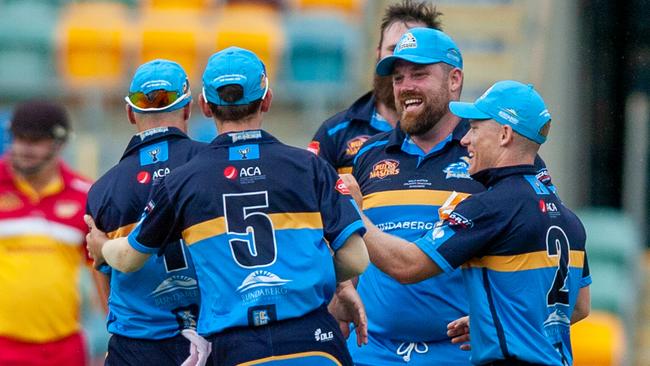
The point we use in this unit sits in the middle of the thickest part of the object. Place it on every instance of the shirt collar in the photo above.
(153, 134)
(398, 138)
(490, 177)
(362, 109)
(247, 136)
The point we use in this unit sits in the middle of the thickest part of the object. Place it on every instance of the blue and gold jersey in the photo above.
(523, 260)
(402, 190)
(259, 218)
(162, 298)
(340, 137)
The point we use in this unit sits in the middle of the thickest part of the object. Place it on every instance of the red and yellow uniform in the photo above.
(41, 252)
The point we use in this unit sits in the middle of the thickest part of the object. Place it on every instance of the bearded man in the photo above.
(405, 176)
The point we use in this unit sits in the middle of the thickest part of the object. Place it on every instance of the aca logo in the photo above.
(354, 145)
(230, 172)
(385, 168)
(143, 177)
(314, 147)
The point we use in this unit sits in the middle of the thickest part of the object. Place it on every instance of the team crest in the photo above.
(458, 170)
(385, 168)
(354, 145)
(407, 41)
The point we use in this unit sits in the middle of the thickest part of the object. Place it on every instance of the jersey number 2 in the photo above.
(251, 231)
(557, 244)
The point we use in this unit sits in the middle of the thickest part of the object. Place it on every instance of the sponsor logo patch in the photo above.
(153, 131)
(244, 152)
(314, 147)
(323, 336)
(549, 208)
(353, 145)
(155, 153)
(261, 279)
(341, 187)
(246, 135)
(456, 219)
(385, 168)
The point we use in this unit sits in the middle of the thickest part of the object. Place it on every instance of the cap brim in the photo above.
(385, 66)
(467, 110)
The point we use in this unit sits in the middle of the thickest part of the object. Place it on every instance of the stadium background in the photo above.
(589, 59)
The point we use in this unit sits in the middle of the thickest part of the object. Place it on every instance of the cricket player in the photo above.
(261, 220)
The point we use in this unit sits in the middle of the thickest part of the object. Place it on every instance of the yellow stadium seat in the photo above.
(178, 4)
(174, 35)
(346, 6)
(598, 340)
(252, 26)
(93, 42)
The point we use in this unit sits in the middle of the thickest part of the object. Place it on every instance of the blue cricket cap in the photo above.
(422, 46)
(161, 74)
(509, 103)
(238, 66)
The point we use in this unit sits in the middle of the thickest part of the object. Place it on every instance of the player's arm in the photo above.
(117, 253)
(351, 259)
(397, 257)
(583, 305)
(103, 286)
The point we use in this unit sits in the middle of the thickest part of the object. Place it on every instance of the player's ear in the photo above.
(506, 135)
(266, 102)
(205, 108)
(130, 114)
(187, 111)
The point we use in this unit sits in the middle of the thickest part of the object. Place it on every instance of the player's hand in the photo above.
(458, 331)
(200, 348)
(95, 240)
(347, 307)
(353, 186)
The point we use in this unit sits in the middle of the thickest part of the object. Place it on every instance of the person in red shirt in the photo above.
(41, 242)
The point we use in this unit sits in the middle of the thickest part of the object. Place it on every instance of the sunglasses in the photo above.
(157, 100)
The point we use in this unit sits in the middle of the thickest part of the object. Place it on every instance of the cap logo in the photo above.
(545, 114)
(408, 41)
(453, 54)
(229, 78)
(155, 84)
(509, 115)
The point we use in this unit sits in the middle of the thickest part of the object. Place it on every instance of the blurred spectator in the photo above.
(41, 242)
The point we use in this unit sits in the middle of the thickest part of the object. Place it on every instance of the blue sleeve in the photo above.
(340, 215)
(158, 224)
(464, 235)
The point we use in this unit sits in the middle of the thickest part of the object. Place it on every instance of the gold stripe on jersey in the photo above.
(281, 221)
(293, 356)
(403, 197)
(344, 170)
(522, 262)
(122, 231)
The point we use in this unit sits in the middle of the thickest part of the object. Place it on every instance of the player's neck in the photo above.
(41, 179)
(389, 114)
(435, 135)
(254, 123)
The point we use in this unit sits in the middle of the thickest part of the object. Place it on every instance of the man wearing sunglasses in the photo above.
(152, 312)
(261, 220)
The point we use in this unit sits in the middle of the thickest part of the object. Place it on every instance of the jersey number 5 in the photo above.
(557, 244)
(251, 233)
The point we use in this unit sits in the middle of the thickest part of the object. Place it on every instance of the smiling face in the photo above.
(422, 95)
(483, 144)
